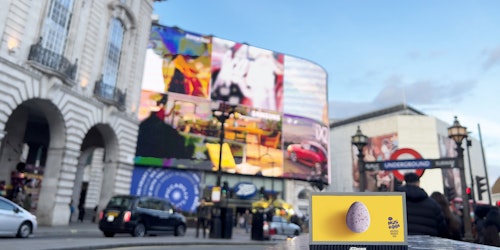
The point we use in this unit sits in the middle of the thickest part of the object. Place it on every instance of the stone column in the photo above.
(49, 191)
(108, 183)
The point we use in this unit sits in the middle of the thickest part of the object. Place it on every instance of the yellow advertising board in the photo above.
(358, 220)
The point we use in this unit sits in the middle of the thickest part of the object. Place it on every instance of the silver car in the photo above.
(15, 220)
(281, 226)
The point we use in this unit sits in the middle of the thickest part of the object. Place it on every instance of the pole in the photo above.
(469, 143)
(361, 166)
(485, 166)
(221, 143)
(216, 225)
(465, 199)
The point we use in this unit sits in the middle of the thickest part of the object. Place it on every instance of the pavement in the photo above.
(86, 235)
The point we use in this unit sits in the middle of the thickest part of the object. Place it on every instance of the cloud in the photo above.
(342, 110)
(419, 93)
(431, 55)
(492, 58)
(423, 92)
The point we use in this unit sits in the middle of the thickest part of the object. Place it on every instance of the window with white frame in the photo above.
(56, 25)
(112, 59)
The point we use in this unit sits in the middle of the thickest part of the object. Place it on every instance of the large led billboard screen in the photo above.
(281, 125)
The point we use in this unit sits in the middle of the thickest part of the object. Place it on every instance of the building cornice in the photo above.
(400, 108)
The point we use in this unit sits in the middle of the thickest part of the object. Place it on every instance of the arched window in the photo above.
(304, 194)
(112, 59)
(56, 24)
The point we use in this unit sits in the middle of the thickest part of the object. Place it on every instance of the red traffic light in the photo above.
(498, 203)
(467, 190)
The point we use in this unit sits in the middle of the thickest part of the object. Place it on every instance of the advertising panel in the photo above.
(186, 60)
(379, 148)
(179, 130)
(252, 74)
(179, 187)
(306, 144)
(358, 221)
(451, 176)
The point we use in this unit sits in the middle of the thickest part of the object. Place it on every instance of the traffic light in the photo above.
(481, 186)
(498, 203)
(262, 193)
(225, 189)
(468, 191)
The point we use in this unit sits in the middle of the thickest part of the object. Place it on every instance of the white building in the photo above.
(70, 80)
(396, 128)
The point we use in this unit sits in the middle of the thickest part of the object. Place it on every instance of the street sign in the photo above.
(373, 166)
(216, 193)
(407, 164)
(444, 163)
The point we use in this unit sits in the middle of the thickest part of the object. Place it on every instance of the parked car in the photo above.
(281, 226)
(139, 216)
(15, 220)
(309, 153)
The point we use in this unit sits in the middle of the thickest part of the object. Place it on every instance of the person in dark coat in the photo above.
(492, 228)
(202, 217)
(424, 216)
(453, 221)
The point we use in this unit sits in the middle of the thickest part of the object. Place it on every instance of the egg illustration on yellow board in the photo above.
(358, 217)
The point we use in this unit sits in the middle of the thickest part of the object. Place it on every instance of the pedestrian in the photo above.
(492, 228)
(202, 217)
(241, 220)
(479, 225)
(71, 210)
(27, 202)
(81, 212)
(247, 216)
(453, 222)
(3, 189)
(19, 196)
(424, 216)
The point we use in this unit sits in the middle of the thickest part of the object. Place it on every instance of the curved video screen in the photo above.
(278, 125)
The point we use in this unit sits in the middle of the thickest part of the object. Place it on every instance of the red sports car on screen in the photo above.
(309, 153)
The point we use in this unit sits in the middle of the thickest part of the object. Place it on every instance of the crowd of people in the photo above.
(204, 215)
(18, 188)
(432, 215)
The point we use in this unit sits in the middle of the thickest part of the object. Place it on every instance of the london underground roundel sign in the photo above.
(406, 154)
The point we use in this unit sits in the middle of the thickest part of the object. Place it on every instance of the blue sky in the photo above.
(440, 57)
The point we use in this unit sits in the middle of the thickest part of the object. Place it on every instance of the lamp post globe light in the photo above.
(360, 141)
(458, 132)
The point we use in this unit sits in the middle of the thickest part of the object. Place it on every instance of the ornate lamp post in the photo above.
(458, 132)
(221, 111)
(360, 141)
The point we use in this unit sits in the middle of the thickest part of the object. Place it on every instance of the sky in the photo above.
(439, 57)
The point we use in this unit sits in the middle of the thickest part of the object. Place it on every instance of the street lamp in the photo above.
(458, 132)
(220, 225)
(360, 140)
(222, 111)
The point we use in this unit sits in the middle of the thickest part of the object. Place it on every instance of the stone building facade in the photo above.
(70, 82)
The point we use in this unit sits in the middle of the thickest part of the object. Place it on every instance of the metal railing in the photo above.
(109, 94)
(56, 63)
